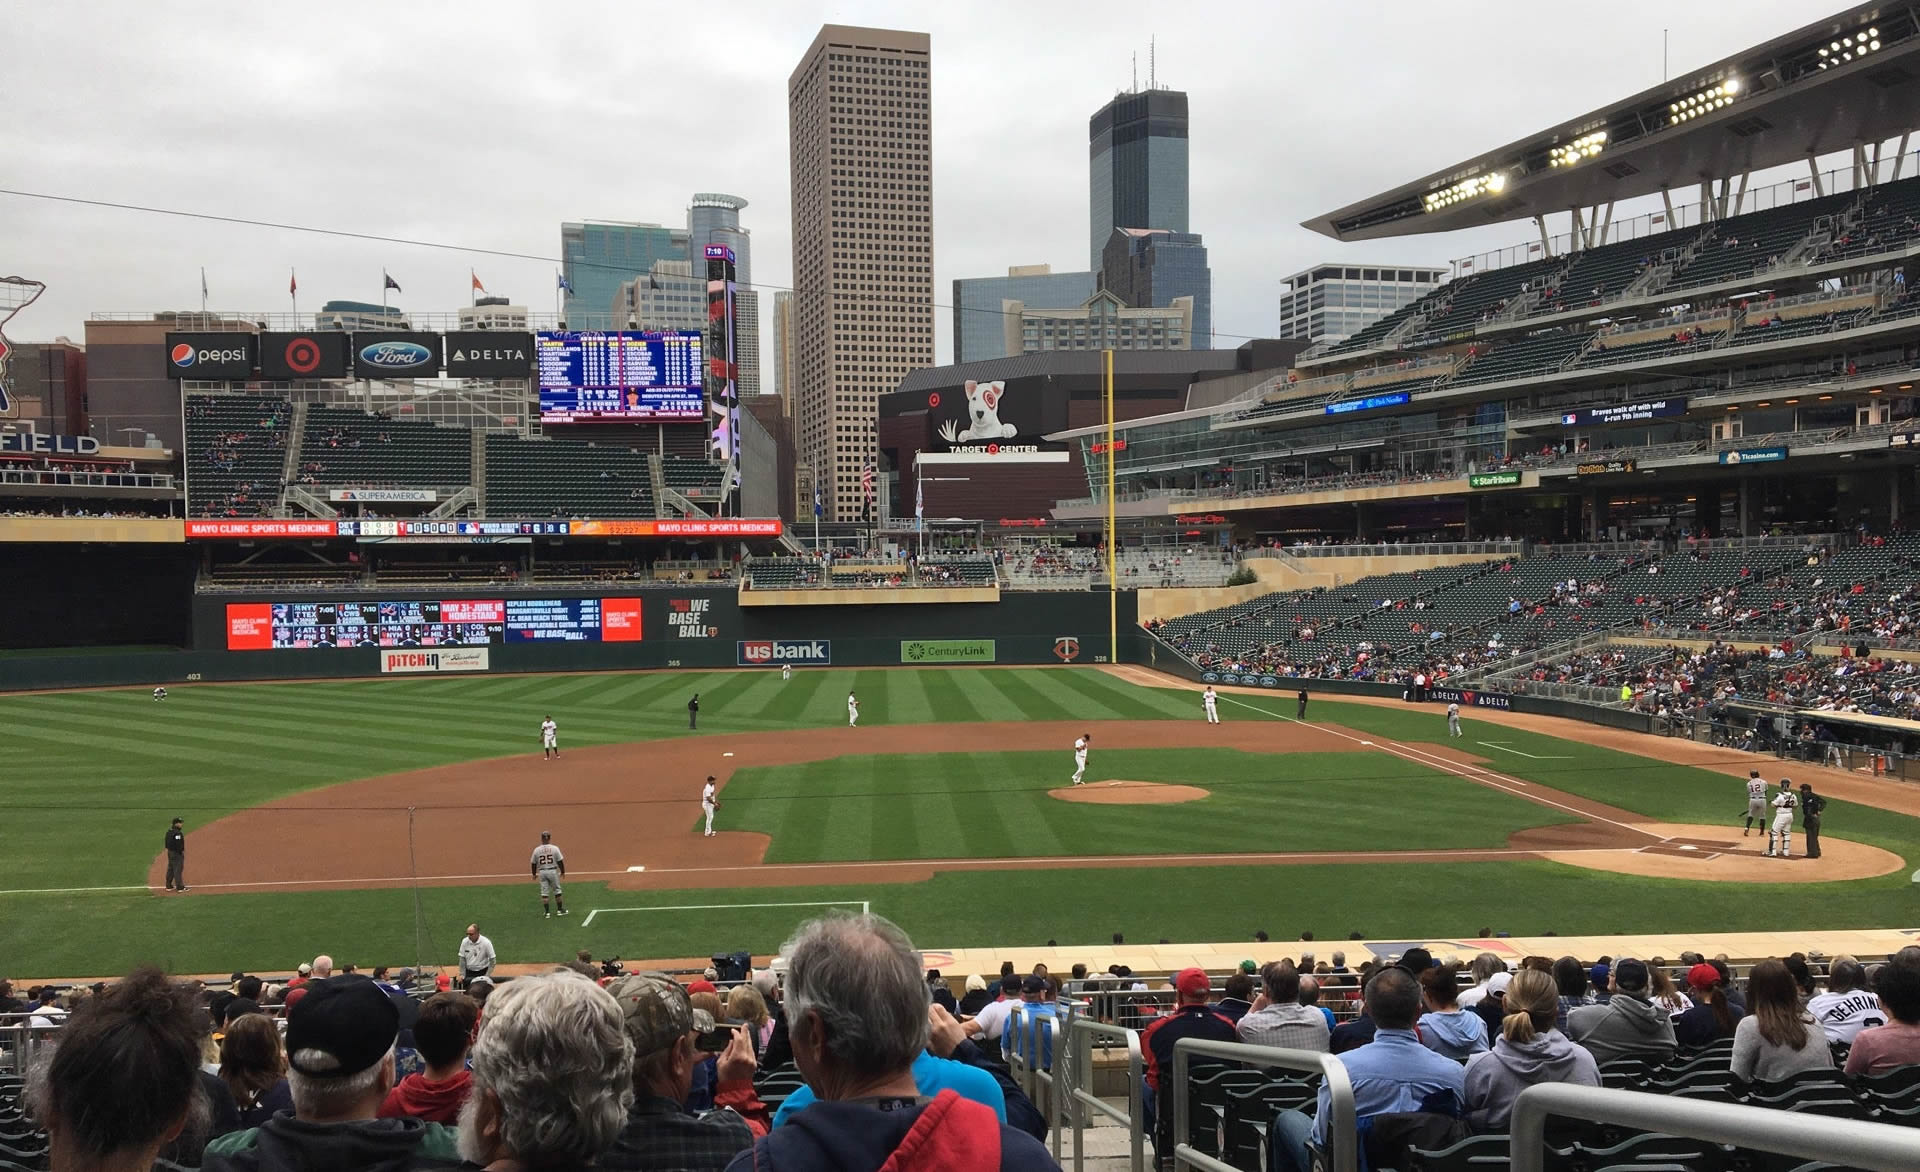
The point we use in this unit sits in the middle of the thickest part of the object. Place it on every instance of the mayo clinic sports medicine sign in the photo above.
(946, 651)
(1493, 480)
(776, 652)
(450, 659)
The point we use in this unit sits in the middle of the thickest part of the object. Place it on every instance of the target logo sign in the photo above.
(933, 400)
(303, 355)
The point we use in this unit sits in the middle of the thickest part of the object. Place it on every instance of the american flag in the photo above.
(866, 480)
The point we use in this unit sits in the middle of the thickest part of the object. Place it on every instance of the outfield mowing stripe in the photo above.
(1097, 687)
(984, 695)
(204, 753)
(907, 698)
(950, 704)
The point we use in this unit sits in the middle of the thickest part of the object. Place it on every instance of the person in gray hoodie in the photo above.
(1446, 1028)
(1529, 1051)
(1628, 1025)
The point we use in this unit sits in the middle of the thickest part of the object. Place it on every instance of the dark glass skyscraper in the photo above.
(1137, 147)
(1149, 267)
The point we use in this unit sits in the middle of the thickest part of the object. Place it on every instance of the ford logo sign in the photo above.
(395, 355)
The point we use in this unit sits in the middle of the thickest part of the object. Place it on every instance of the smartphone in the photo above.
(715, 1040)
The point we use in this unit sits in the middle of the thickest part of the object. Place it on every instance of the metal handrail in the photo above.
(1810, 1137)
(1035, 1080)
(1080, 1033)
(1342, 1139)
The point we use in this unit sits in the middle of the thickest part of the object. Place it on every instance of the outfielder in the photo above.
(853, 710)
(786, 672)
(548, 865)
(549, 739)
(1080, 756)
(159, 693)
(1211, 703)
(1756, 802)
(1453, 721)
(708, 803)
(1782, 832)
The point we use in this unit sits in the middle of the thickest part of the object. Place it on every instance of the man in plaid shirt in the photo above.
(660, 1132)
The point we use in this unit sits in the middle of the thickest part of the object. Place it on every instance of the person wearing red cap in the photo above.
(1191, 1017)
(1711, 1016)
(702, 985)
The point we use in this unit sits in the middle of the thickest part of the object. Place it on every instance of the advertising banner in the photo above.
(1470, 699)
(691, 618)
(1626, 412)
(1369, 403)
(384, 496)
(312, 354)
(1000, 419)
(684, 527)
(396, 355)
(489, 354)
(210, 357)
(774, 652)
(449, 659)
(1904, 439)
(261, 528)
(946, 651)
(1603, 467)
(40, 443)
(1493, 480)
(1754, 456)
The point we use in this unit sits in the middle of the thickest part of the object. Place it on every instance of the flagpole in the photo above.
(383, 289)
(203, 290)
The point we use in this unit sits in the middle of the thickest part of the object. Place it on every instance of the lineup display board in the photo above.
(466, 622)
(619, 376)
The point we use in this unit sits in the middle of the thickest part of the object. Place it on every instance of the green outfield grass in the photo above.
(92, 778)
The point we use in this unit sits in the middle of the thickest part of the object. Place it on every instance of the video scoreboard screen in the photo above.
(466, 622)
(619, 376)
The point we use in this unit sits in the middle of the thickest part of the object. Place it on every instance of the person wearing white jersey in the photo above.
(548, 865)
(476, 955)
(786, 672)
(1211, 703)
(708, 803)
(549, 739)
(1080, 756)
(853, 710)
(1781, 834)
(1453, 721)
(1756, 802)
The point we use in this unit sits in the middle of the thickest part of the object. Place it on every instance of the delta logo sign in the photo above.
(774, 652)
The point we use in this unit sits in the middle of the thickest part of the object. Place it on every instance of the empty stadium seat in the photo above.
(566, 478)
(236, 451)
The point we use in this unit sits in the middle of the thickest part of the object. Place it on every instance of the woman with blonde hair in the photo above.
(1662, 991)
(1528, 1051)
(744, 1003)
(254, 1067)
(1778, 1037)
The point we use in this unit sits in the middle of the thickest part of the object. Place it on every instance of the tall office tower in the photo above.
(1137, 147)
(980, 314)
(714, 218)
(858, 108)
(1331, 303)
(1149, 267)
(783, 349)
(597, 257)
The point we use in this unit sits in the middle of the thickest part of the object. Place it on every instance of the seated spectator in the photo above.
(340, 1039)
(1278, 1018)
(122, 1082)
(1236, 997)
(1393, 1072)
(663, 1026)
(744, 1003)
(1446, 1028)
(1628, 1025)
(1846, 1007)
(859, 1021)
(254, 1067)
(552, 1076)
(1879, 1049)
(1572, 982)
(1031, 1036)
(1778, 1037)
(1529, 1050)
(1191, 1017)
(443, 1035)
(1481, 969)
(1310, 997)
(977, 997)
(1712, 1016)
(989, 1025)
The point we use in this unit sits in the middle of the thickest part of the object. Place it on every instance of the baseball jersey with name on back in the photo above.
(547, 857)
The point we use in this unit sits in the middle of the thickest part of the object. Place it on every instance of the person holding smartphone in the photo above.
(670, 1038)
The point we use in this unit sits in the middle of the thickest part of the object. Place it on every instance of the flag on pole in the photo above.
(817, 509)
(560, 281)
(390, 283)
(919, 504)
(866, 480)
(203, 286)
(477, 286)
(293, 283)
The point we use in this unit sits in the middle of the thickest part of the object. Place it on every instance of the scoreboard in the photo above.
(466, 622)
(619, 375)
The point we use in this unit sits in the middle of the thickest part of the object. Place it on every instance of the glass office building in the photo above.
(1149, 267)
(1331, 303)
(598, 257)
(1137, 157)
(979, 315)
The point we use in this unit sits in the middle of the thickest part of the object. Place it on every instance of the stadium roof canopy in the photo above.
(1838, 84)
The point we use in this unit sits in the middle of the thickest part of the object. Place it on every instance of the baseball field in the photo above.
(375, 819)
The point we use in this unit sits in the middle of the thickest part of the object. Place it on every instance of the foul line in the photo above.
(865, 907)
(1503, 747)
(295, 883)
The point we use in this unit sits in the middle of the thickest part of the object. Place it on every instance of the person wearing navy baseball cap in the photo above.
(340, 1040)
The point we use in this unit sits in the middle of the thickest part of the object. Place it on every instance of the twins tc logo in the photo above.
(1066, 649)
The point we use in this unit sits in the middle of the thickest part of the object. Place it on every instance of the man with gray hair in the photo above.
(1847, 1007)
(1480, 968)
(1310, 997)
(552, 1076)
(857, 1007)
(339, 1069)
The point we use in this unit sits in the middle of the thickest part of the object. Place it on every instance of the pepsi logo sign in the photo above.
(395, 355)
(184, 356)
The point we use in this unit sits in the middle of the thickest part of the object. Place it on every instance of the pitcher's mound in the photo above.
(1128, 793)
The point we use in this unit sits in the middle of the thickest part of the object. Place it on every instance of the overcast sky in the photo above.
(487, 124)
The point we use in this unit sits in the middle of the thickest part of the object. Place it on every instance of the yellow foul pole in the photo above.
(1113, 577)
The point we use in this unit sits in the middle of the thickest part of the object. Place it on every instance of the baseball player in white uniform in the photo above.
(549, 739)
(708, 803)
(548, 865)
(1211, 703)
(1782, 832)
(1756, 802)
(853, 710)
(1453, 721)
(1080, 756)
(786, 672)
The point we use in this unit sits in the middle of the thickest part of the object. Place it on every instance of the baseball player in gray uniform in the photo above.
(548, 866)
(1756, 802)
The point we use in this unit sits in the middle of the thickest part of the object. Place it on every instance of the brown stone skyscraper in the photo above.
(860, 126)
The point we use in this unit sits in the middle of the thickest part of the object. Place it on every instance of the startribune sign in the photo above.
(1493, 479)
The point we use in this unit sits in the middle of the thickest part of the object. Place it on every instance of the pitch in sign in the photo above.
(691, 618)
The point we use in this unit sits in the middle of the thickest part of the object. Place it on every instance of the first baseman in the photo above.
(1453, 720)
(548, 865)
(1080, 756)
(1782, 832)
(549, 739)
(1211, 703)
(1756, 802)
(708, 803)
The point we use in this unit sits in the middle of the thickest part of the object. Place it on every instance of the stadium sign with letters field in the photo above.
(1754, 456)
(774, 652)
(1603, 467)
(1625, 412)
(450, 659)
(1493, 480)
(40, 443)
(946, 651)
